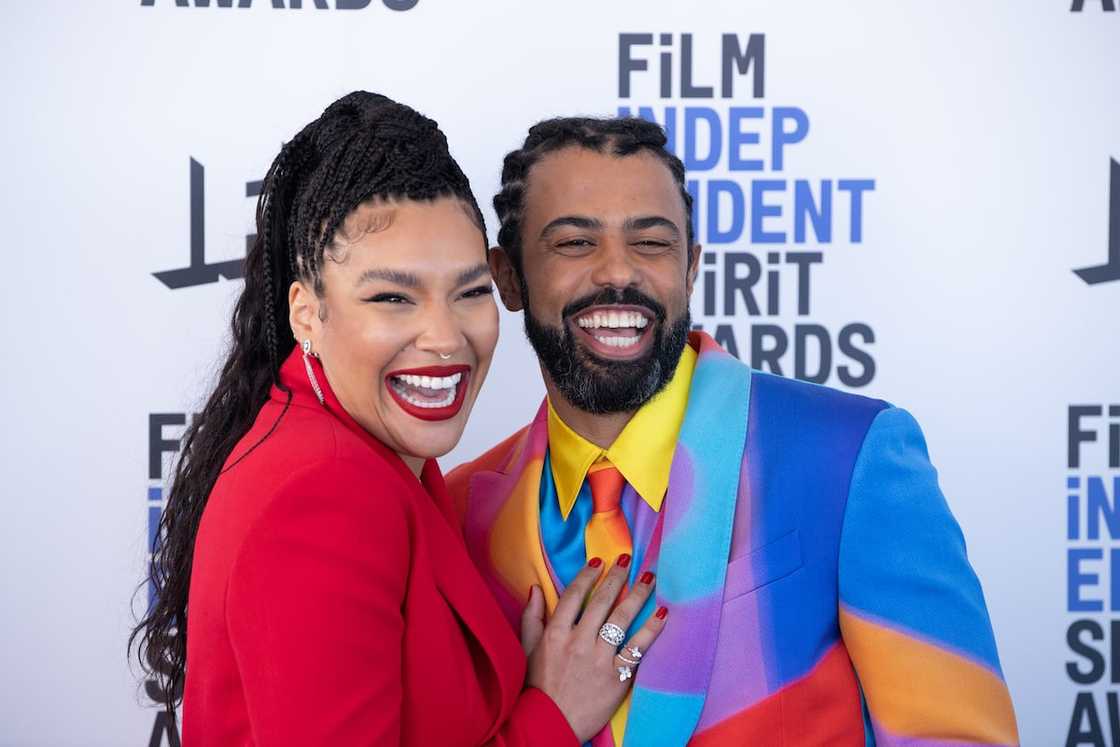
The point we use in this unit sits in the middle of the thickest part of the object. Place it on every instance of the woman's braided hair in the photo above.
(624, 136)
(363, 147)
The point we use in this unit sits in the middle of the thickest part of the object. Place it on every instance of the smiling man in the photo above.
(817, 585)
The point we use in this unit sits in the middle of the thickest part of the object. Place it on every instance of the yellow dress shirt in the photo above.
(643, 452)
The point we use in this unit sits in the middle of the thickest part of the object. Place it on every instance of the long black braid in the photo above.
(623, 135)
(364, 146)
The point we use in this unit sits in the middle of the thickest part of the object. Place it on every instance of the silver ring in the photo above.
(612, 634)
(633, 651)
(624, 673)
(631, 662)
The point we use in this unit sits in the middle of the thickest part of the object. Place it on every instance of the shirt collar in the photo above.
(643, 452)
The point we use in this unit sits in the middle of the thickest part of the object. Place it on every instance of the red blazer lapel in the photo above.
(461, 585)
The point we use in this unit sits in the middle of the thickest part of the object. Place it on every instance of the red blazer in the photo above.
(333, 602)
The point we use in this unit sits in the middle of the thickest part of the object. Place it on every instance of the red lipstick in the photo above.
(417, 400)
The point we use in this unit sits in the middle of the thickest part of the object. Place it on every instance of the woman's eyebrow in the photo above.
(406, 279)
(410, 280)
(472, 273)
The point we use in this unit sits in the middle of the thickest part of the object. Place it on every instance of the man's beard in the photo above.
(599, 385)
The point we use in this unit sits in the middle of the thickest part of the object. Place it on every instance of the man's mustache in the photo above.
(615, 297)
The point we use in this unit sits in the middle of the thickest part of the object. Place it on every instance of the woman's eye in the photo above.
(482, 290)
(394, 298)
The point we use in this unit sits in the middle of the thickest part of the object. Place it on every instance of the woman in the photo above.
(331, 598)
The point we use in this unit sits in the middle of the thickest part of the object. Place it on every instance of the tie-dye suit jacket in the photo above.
(818, 586)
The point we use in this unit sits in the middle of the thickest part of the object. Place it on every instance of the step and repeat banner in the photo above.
(910, 200)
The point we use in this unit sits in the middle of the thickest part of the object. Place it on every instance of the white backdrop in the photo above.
(987, 130)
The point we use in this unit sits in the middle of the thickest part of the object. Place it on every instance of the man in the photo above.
(817, 585)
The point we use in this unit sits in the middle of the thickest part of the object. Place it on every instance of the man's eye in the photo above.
(652, 246)
(575, 243)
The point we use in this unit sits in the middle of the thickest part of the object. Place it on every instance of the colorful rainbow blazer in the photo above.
(818, 586)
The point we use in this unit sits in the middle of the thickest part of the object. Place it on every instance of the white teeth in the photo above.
(430, 382)
(618, 342)
(445, 402)
(613, 320)
(430, 385)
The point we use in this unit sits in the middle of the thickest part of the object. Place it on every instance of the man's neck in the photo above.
(601, 430)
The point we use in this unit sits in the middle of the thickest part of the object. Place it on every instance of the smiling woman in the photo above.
(308, 531)
(408, 286)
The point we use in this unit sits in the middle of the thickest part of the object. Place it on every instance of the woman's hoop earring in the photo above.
(307, 354)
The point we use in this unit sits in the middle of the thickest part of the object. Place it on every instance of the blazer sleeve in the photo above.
(313, 609)
(912, 613)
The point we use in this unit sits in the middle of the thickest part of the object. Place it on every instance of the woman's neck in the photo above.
(414, 463)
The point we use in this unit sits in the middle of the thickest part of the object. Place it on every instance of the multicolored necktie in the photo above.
(606, 535)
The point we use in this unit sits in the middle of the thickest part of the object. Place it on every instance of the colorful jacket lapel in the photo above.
(502, 522)
(502, 527)
(672, 683)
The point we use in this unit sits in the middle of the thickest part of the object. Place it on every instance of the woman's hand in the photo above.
(570, 662)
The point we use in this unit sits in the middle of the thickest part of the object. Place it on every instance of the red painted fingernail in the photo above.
(661, 613)
(595, 562)
(646, 578)
(623, 560)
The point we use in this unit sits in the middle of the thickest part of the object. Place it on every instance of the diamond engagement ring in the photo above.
(612, 634)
